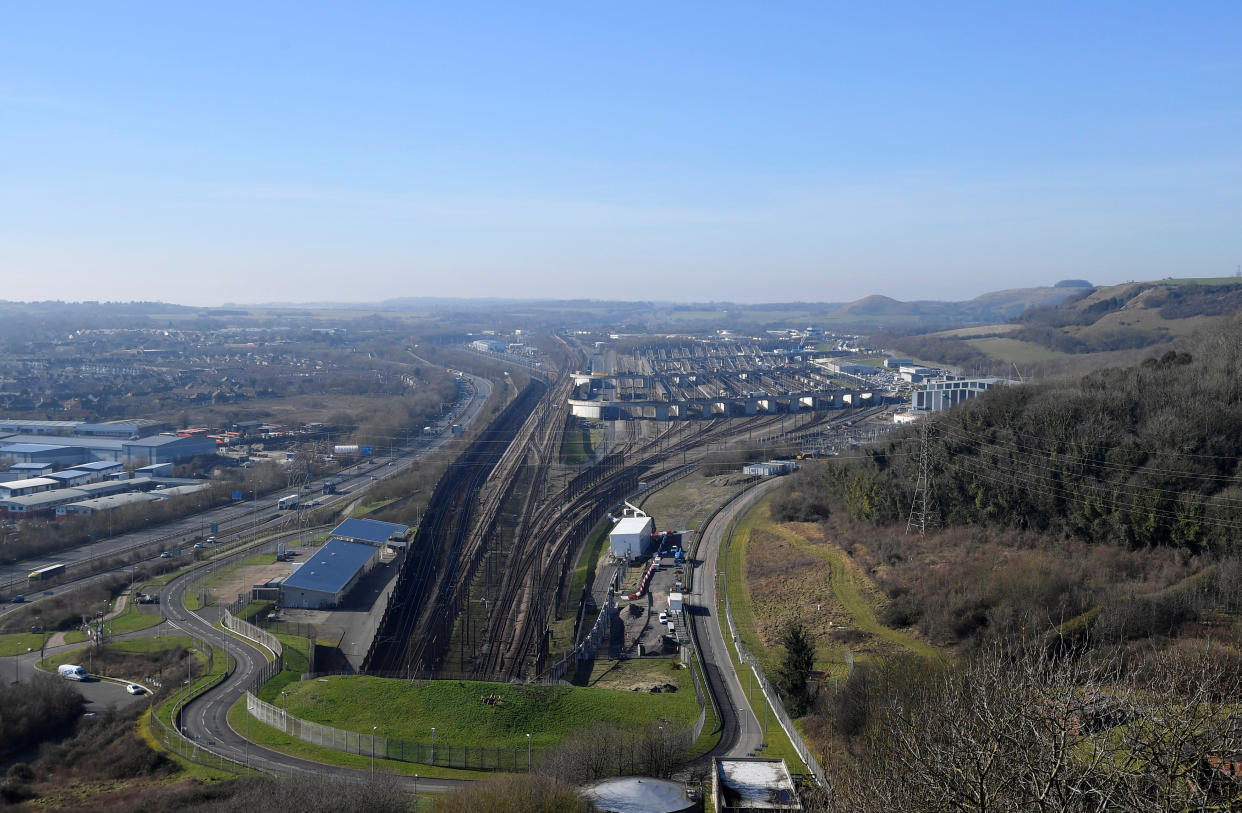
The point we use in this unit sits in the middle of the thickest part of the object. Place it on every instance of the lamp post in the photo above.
(433, 745)
(528, 754)
(373, 749)
(284, 710)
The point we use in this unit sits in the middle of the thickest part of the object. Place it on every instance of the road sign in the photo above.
(364, 449)
(215, 526)
(237, 495)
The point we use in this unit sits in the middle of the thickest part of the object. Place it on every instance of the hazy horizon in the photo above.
(310, 153)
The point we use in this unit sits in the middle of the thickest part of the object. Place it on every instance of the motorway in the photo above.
(250, 518)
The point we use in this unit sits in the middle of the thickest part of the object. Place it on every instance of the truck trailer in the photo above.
(287, 502)
(46, 573)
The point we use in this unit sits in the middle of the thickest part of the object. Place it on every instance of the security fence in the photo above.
(444, 755)
(248, 630)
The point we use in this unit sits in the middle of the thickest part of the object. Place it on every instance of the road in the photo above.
(741, 734)
(237, 520)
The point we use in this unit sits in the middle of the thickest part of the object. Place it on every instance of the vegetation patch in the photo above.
(456, 709)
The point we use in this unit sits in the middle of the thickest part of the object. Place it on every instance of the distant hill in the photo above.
(876, 305)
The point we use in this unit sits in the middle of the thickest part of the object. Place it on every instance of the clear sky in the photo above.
(216, 151)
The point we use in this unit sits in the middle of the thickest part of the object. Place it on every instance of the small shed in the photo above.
(744, 785)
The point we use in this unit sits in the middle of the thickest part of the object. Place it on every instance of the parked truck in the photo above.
(674, 602)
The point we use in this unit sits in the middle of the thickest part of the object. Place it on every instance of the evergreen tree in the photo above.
(795, 668)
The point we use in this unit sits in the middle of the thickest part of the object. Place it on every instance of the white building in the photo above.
(630, 537)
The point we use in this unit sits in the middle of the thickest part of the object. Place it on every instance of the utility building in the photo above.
(371, 532)
(327, 576)
(630, 537)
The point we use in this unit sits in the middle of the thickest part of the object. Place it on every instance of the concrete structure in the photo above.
(640, 794)
(897, 363)
(630, 537)
(325, 578)
(946, 392)
(744, 785)
(371, 532)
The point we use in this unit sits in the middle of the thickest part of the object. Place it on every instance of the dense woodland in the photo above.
(1139, 456)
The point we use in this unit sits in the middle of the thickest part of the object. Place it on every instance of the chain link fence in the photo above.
(445, 755)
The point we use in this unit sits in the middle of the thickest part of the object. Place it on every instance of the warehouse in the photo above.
(327, 576)
(371, 532)
(44, 502)
(165, 449)
(20, 488)
(94, 504)
(15, 450)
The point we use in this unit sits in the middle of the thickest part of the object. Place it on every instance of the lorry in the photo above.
(70, 671)
(674, 602)
(287, 502)
(46, 573)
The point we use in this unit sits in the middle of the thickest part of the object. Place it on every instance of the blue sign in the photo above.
(237, 495)
(215, 527)
(365, 449)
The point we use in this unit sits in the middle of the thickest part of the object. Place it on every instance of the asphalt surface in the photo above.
(741, 733)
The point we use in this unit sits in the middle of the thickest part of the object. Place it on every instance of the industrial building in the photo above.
(327, 576)
(371, 532)
(770, 468)
(946, 392)
(73, 451)
(20, 488)
(631, 536)
(747, 785)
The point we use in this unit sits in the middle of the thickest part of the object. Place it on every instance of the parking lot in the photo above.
(645, 633)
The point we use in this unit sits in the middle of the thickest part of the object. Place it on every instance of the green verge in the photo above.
(189, 770)
(455, 708)
(19, 643)
(277, 740)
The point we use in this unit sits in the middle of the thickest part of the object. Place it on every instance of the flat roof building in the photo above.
(946, 392)
(42, 502)
(745, 785)
(371, 532)
(326, 577)
(33, 485)
(165, 449)
(630, 537)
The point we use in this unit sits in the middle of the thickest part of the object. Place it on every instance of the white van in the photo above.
(70, 671)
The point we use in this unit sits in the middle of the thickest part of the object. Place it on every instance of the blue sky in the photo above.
(213, 152)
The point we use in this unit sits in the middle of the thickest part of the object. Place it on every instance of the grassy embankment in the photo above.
(812, 580)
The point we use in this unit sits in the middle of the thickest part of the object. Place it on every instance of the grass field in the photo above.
(18, 643)
(1015, 350)
(409, 711)
(363, 510)
(277, 740)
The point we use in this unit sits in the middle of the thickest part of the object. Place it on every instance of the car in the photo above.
(663, 618)
(18, 599)
(211, 540)
(165, 555)
(199, 546)
(134, 688)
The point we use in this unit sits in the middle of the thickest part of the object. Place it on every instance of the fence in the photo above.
(442, 754)
(248, 630)
(769, 692)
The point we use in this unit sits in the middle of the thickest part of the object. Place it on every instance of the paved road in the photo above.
(742, 734)
(241, 519)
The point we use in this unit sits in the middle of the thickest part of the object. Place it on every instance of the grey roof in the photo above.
(113, 501)
(368, 530)
(98, 465)
(160, 440)
(45, 499)
(29, 482)
(67, 474)
(333, 567)
(106, 487)
(26, 448)
(69, 443)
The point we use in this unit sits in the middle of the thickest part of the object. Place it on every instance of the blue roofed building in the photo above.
(327, 576)
(371, 532)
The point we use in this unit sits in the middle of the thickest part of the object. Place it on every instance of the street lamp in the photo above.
(528, 760)
(373, 749)
(433, 745)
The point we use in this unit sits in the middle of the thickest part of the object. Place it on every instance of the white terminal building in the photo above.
(943, 393)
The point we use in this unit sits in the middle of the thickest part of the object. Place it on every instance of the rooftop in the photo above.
(368, 530)
(631, 525)
(756, 783)
(329, 570)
